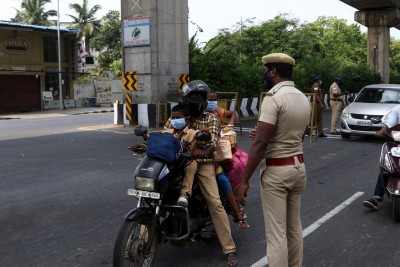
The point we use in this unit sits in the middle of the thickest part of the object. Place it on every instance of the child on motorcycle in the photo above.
(179, 119)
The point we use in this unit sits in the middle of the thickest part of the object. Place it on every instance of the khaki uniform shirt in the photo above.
(187, 135)
(289, 110)
(316, 88)
(334, 89)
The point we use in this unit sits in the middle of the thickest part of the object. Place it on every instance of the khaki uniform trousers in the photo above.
(318, 119)
(205, 174)
(187, 183)
(281, 188)
(335, 106)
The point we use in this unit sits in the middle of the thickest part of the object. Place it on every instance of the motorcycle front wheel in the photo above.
(130, 246)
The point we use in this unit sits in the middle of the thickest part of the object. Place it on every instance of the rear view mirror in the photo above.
(140, 131)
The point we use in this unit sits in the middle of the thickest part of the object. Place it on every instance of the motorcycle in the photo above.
(157, 218)
(390, 167)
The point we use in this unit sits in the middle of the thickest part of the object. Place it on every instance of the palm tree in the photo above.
(85, 22)
(32, 12)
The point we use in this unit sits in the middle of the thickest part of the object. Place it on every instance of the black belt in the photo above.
(337, 100)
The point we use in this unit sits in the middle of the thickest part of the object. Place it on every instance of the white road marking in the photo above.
(264, 261)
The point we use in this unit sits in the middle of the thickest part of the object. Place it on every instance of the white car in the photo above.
(373, 101)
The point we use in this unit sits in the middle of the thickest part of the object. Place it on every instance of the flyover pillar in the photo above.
(155, 45)
(379, 23)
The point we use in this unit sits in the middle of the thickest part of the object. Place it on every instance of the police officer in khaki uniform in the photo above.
(320, 106)
(336, 100)
(284, 117)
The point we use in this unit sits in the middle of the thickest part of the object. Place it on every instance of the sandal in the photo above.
(244, 215)
(241, 222)
(231, 260)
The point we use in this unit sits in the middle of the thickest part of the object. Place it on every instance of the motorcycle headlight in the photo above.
(145, 184)
(345, 113)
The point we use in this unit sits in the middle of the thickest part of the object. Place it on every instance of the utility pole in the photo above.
(59, 57)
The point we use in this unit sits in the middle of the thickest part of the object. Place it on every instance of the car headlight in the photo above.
(143, 183)
(345, 113)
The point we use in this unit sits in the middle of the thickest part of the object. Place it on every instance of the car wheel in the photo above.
(345, 135)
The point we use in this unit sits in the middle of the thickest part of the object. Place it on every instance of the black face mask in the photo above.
(267, 80)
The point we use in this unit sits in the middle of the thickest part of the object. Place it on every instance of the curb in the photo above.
(50, 114)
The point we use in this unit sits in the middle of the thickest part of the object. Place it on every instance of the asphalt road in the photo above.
(63, 197)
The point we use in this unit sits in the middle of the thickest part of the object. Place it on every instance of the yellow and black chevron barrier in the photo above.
(128, 106)
(182, 80)
(129, 81)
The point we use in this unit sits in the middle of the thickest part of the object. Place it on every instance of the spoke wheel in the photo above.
(130, 246)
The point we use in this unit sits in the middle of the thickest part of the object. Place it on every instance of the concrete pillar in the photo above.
(378, 23)
(155, 39)
(159, 58)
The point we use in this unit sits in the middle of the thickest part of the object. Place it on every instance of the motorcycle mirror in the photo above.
(376, 120)
(140, 131)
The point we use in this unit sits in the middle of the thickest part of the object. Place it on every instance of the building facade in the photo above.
(29, 66)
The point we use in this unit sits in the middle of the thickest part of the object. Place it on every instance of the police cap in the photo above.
(278, 58)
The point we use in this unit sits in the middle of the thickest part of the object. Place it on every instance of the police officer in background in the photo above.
(336, 100)
(284, 117)
(320, 106)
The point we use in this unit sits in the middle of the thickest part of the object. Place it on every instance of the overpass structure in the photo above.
(378, 16)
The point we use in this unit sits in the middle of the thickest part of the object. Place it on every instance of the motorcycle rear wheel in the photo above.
(129, 249)
(396, 208)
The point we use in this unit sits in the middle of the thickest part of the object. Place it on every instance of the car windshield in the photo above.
(378, 95)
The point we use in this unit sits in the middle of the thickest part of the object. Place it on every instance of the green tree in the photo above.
(85, 22)
(328, 47)
(32, 12)
(394, 61)
(106, 42)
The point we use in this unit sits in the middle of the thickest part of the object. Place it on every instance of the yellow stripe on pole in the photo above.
(128, 105)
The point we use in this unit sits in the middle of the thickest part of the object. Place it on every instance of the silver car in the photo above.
(373, 101)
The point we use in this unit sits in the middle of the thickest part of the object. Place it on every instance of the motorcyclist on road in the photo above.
(389, 121)
(195, 94)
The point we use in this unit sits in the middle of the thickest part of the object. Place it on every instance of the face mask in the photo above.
(178, 124)
(211, 105)
(267, 80)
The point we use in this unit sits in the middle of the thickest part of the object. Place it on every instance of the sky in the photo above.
(212, 15)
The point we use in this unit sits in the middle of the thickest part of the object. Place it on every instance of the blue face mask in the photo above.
(267, 80)
(178, 124)
(211, 105)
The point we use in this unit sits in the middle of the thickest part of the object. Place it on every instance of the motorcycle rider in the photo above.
(238, 213)
(195, 94)
(393, 118)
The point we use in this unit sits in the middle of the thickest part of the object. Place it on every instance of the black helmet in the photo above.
(197, 104)
(195, 86)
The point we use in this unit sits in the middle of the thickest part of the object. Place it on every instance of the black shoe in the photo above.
(322, 135)
(372, 204)
(335, 133)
